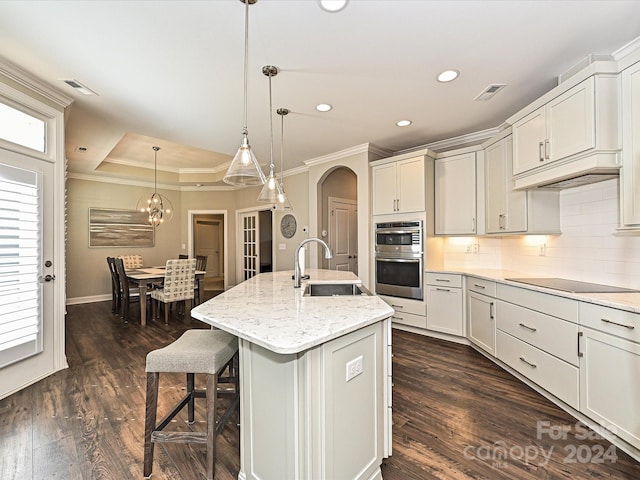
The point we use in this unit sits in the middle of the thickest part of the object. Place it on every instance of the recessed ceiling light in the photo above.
(403, 123)
(323, 107)
(448, 75)
(332, 5)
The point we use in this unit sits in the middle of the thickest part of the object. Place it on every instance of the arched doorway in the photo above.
(339, 221)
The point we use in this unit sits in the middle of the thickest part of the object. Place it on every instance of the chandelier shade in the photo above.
(244, 168)
(158, 207)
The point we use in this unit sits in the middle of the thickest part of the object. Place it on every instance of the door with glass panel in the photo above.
(26, 270)
(250, 244)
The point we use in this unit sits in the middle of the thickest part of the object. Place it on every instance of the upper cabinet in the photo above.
(399, 186)
(515, 211)
(455, 195)
(630, 175)
(573, 133)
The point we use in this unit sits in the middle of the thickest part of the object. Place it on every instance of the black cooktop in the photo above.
(572, 286)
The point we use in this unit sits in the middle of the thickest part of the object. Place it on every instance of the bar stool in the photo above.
(211, 352)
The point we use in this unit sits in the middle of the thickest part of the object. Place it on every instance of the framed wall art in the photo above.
(120, 228)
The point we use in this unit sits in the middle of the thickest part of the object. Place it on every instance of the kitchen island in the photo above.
(315, 377)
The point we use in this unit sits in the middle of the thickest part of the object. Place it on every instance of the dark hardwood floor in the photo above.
(456, 416)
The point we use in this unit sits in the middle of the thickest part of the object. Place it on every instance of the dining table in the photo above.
(144, 277)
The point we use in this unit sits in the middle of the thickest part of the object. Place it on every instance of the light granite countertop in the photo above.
(628, 301)
(268, 311)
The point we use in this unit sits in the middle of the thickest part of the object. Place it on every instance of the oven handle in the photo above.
(394, 230)
(398, 259)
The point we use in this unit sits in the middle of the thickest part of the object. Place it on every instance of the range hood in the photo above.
(592, 168)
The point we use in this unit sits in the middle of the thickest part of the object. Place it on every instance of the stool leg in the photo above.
(212, 392)
(190, 389)
(150, 420)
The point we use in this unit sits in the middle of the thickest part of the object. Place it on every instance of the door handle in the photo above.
(547, 149)
(47, 278)
(540, 153)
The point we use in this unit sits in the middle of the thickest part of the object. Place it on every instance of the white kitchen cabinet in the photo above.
(515, 211)
(481, 319)
(609, 382)
(444, 303)
(630, 173)
(399, 186)
(408, 312)
(563, 127)
(575, 132)
(455, 195)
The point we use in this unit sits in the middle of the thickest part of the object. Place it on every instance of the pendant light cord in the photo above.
(245, 130)
(155, 169)
(271, 165)
(282, 148)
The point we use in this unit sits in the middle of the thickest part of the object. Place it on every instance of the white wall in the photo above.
(589, 249)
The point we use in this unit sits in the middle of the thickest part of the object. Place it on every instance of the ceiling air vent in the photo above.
(490, 91)
(80, 87)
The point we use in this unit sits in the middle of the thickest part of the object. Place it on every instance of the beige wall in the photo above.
(87, 274)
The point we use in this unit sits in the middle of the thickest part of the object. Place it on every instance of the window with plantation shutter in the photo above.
(20, 251)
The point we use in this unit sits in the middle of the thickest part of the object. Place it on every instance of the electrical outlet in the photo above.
(354, 368)
(282, 246)
(476, 247)
(543, 250)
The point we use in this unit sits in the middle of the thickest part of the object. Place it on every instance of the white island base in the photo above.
(301, 419)
(315, 378)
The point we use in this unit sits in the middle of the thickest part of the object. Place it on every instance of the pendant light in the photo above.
(282, 201)
(157, 206)
(244, 168)
(271, 189)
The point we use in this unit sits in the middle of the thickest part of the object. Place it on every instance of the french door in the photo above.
(249, 234)
(27, 268)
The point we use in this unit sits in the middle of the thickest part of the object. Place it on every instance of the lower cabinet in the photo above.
(610, 369)
(482, 321)
(411, 313)
(444, 303)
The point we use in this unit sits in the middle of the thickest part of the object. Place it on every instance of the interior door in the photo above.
(343, 235)
(207, 242)
(249, 236)
(27, 270)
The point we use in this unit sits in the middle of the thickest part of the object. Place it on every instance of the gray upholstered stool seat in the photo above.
(209, 352)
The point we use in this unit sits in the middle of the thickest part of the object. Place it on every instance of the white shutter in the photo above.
(20, 251)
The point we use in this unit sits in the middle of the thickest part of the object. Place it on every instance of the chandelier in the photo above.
(158, 207)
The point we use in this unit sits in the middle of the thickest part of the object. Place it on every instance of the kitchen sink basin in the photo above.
(332, 289)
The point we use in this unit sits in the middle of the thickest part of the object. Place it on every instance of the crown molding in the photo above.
(362, 148)
(34, 84)
(455, 142)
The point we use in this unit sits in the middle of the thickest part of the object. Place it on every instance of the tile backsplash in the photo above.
(589, 249)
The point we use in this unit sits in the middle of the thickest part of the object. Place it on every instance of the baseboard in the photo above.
(91, 299)
(432, 334)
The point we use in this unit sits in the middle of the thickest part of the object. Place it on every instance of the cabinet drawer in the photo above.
(557, 377)
(409, 319)
(405, 305)
(444, 279)
(560, 307)
(486, 287)
(610, 320)
(554, 336)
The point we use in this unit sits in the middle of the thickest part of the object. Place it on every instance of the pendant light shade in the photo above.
(271, 189)
(282, 200)
(244, 168)
(158, 207)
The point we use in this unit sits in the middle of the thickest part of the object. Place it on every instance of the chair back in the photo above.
(115, 281)
(122, 276)
(132, 261)
(182, 255)
(201, 263)
(179, 279)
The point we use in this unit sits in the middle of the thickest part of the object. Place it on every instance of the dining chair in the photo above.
(179, 284)
(127, 295)
(201, 265)
(116, 290)
(132, 261)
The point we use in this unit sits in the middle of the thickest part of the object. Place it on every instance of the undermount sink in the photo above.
(332, 289)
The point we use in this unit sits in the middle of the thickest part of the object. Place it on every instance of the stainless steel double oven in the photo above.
(399, 256)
